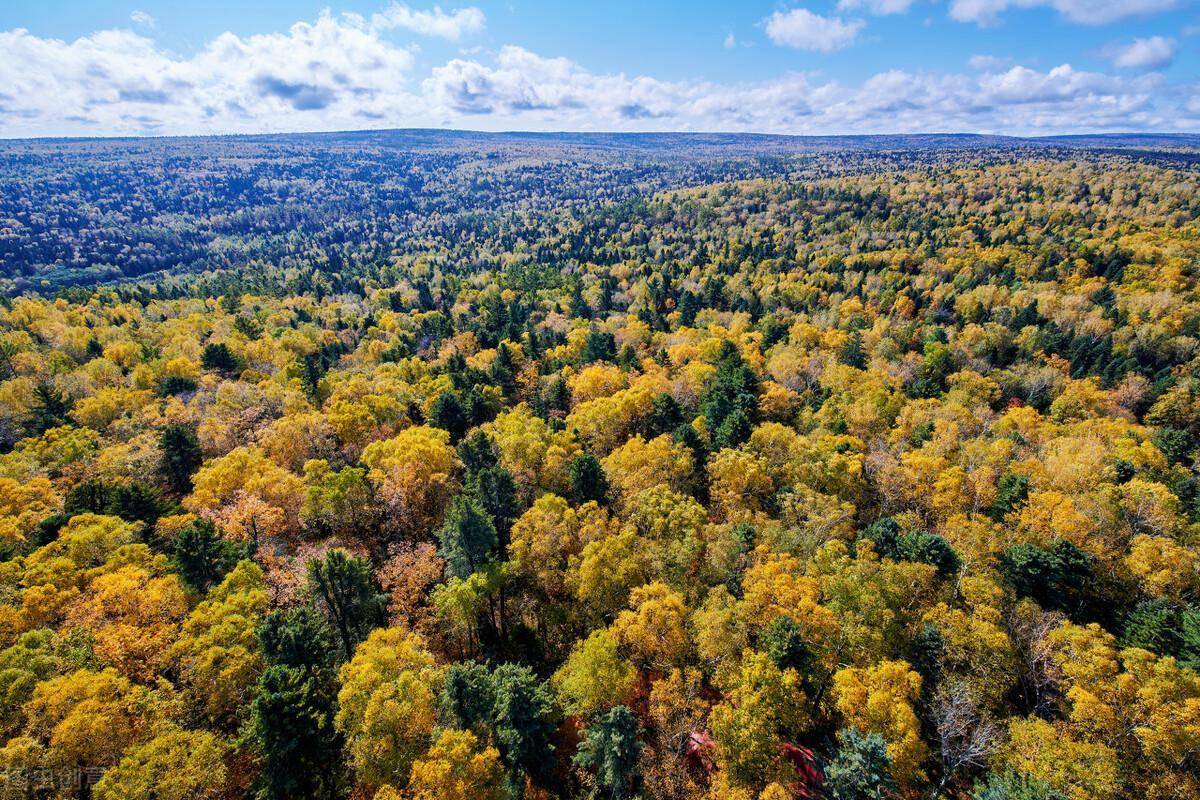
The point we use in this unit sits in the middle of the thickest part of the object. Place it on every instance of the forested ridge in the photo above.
(556, 468)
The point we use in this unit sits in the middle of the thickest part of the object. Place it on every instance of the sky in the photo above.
(1021, 67)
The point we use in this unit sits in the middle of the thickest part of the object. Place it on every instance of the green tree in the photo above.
(297, 637)
(1013, 786)
(1058, 577)
(219, 357)
(523, 722)
(468, 538)
(291, 727)
(345, 591)
(730, 403)
(181, 456)
(861, 769)
(611, 749)
(588, 481)
(448, 414)
(50, 408)
(600, 346)
(496, 491)
(202, 556)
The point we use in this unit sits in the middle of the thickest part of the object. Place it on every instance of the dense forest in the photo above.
(452, 467)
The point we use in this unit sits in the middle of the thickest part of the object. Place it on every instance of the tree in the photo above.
(468, 696)
(967, 737)
(860, 769)
(387, 705)
(181, 456)
(496, 492)
(763, 707)
(292, 727)
(879, 699)
(665, 416)
(457, 768)
(611, 750)
(600, 346)
(784, 644)
(202, 556)
(468, 538)
(1058, 577)
(523, 723)
(339, 503)
(85, 718)
(588, 482)
(346, 592)
(595, 676)
(448, 414)
(730, 403)
(297, 637)
(852, 353)
(929, 548)
(50, 408)
(219, 357)
(413, 473)
(1014, 786)
(175, 765)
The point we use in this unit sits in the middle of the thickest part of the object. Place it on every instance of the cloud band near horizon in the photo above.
(344, 72)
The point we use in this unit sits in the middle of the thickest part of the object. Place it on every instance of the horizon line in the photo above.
(613, 133)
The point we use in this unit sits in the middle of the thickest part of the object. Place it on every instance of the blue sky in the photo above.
(110, 67)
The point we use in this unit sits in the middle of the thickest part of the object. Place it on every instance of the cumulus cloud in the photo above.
(338, 73)
(452, 26)
(122, 82)
(804, 30)
(1084, 12)
(142, 18)
(1154, 52)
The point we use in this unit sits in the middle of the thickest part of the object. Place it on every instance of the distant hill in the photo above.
(86, 211)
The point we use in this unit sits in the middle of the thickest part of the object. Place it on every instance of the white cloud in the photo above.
(730, 41)
(122, 82)
(804, 30)
(340, 73)
(1154, 52)
(452, 26)
(142, 18)
(985, 62)
(1084, 12)
(880, 7)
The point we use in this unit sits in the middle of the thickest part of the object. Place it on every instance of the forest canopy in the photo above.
(850, 474)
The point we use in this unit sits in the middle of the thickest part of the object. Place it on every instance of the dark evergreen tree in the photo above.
(202, 557)
(50, 408)
(861, 768)
(588, 481)
(496, 491)
(478, 452)
(297, 637)
(1058, 578)
(448, 414)
(600, 346)
(523, 723)
(219, 357)
(468, 538)
(730, 403)
(346, 593)
(665, 416)
(610, 750)
(291, 727)
(852, 353)
(181, 456)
